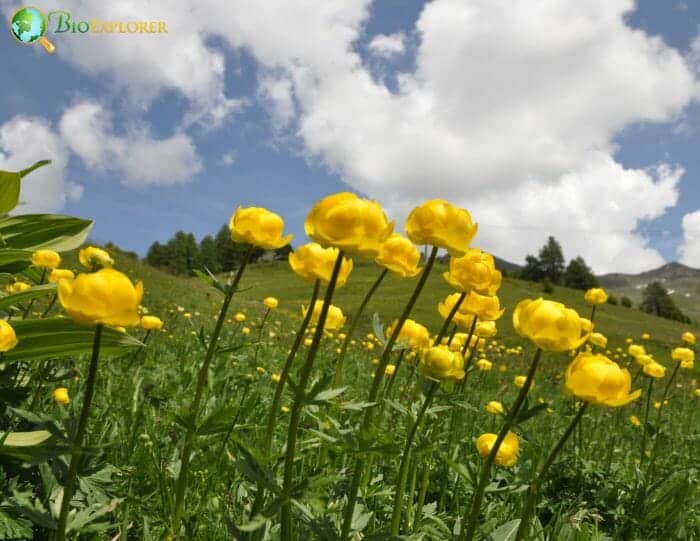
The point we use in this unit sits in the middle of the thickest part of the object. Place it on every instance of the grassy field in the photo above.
(601, 487)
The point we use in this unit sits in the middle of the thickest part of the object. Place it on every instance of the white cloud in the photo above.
(386, 46)
(689, 250)
(87, 129)
(26, 140)
(230, 157)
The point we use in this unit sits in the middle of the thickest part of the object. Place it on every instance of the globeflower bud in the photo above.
(595, 296)
(60, 274)
(151, 323)
(8, 338)
(271, 303)
(484, 365)
(334, 320)
(495, 407)
(598, 339)
(654, 370)
(688, 337)
(438, 362)
(507, 455)
(46, 259)
(93, 258)
(60, 396)
(439, 223)
(598, 380)
(259, 227)
(683, 355)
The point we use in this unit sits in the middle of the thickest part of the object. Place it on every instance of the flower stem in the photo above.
(338, 377)
(298, 404)
(368, 417)
(76, 451)
(642, 447)
(48, 308)
(449, 318)
(533, 492)
(403, 468)
(471, 513)
(185, 456)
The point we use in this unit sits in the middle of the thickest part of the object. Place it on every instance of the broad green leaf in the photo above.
(44, 231)
(61, 337)
(8, 257)
(24, 439)
(29, 294)
(505, 532)
(10, 182)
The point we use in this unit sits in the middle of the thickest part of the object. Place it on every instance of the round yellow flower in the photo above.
(271, 303)
(484, 365)
(400, 256)
(17, 287)
(439, 362)
(259, 227)
(688, 337)
(475, 270)
(595, 296)
(275, 377)
(389, 369)
(598, 339)
(635, 350)
(239, 317)
(598, 380)
(485, 329)
(635, 420)
(485, 307)
(60, 274)
(519, 381)
(151, 323)
(8, 338)
(495, 407)
(646, 336)
(93, 258)
(461, 318)
(334, 320)
(643, 359)
(412, 333)
(439, 223)
(507, 455)
(683, 355)
(313, 262)
(654, 370)
(60, 396)
(549, 324)
(106, 296)
(343, 220)
(245, 331)
(696, 392)
(47, 259)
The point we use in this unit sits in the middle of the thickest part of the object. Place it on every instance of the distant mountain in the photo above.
(503, 265)
(681, 281)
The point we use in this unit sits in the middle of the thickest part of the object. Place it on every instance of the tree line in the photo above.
(549, 268)
(182, 254)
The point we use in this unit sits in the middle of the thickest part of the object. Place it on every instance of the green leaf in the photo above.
(61, 337)
(28, 294)
(10, 185)
(8, 257)
(24, 439)
(44, 231)
(526, 414)
(327, 395)
(505, 532)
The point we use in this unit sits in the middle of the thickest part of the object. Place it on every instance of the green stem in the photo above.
(449, 318)
(422, 491)
(196, 403)
(471, 514)
(403, 468)
(338, 377)
(257, 346)
(298, 405)
(533, 492)
(48, 308)
(654, 449)
(76, 450)
(642, 447)
(368, 417)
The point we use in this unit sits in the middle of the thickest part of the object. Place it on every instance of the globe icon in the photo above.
(28, 25)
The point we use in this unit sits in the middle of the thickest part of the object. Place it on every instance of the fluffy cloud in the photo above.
(87, 129)
(689, 250)
(26, 140)
(387, 46)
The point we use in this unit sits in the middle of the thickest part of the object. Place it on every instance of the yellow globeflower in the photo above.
(313, 262)
(507, 454)
(93, 258)
(654, 370)
(495, 407)
(486, 308)
(439, 362)
(696, 392)
(17, 287)
(259, 227)
(635, 350)
(683, 355)
(485, 329)
(106, 296)
(412, 333)
(461, 318)
(519, 381)
(271, 303)
(643, 359)
(47, 259)
(549, 324)
(595, 296)
(484, 365)
(598, 339)
(354, 225)
(60, 274)
(275, 377)
(8, 338)
(239, 317)
(688, 337)
(439, 223)
(598, 380)
(635, 420)
(389, 369)
(60, 396)
(400, 256)
(334, 320)
(151, 323)
(475, 270)
(646, 336)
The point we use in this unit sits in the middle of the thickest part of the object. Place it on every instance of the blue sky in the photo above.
(273, 109)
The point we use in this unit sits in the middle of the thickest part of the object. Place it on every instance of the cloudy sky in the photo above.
(573, 118)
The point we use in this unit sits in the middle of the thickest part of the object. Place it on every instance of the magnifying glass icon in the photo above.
(28, 25)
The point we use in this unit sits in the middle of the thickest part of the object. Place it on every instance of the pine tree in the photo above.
(657, 301)
(578, 275)
(551, 261)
